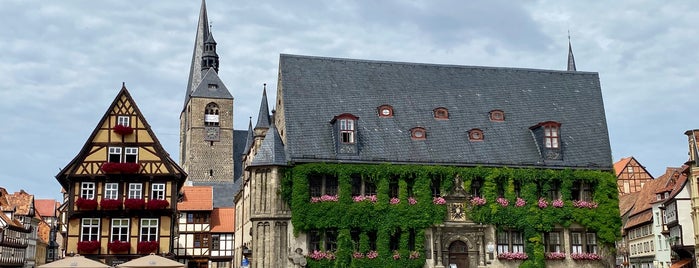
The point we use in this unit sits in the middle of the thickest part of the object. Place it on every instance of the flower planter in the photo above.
(110, 204)
(513, 256)
(119, 246)
(555, 256)
(122, 130)
(88, 246)
(134, 203)
(439, 201)
(585, 256)
(86, 204)
(145, 247)
(157, 204)
(111, 167)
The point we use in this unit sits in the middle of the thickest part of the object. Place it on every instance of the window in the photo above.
(149, 230)
(580, 241)
(510, 241)
(347, 130)
(322, 184)
(551, 135)
(135, 191)
(552, 242)
(411, 239)
(87, 190)
(211, 115)
(475, 135)
(418, 133)
(385, 111)
(130, 154)
(111, 190)
(555, 190)
(115, 154)
(322, 240)
(120, 230)
(90, 230)
(581, 191)
(198, 217)
(362, 187)
(394, 241)
(436, 187)
(123, 120)
(201, 240)
(157, 191)
(441, 113)
(354, 235)
(629, 169)
(215, 242)
(393, 187)
(372, 235)
(497, 116)
(476, 185)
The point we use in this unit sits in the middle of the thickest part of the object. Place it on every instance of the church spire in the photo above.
(209, 59)
(571, 59)
(263, 116)
(249, 139)
(195, 73)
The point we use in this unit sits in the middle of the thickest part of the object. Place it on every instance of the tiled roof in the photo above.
(639, 219)
(626, 202)
(316, 89)
(22, 201)
(196, 198)
(46, 207)
(222, 192)
(223, 220)
(621, 164)
(646, 196)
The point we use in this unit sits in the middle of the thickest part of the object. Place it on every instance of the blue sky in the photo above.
(63, 62)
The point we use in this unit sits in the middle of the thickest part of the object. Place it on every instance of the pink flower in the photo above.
(555, 255)
(371, 198)
(414, 255)
(520, 202)
(324, 198)
(372, 254)
(412, 200)
(358, 198)
(558, 203)
(502, 201)
(543, 203)
(585, 256)
(513, 256)
(358, 255)
(439, 200)
(477, 201)
(584, 204)
(396, 255)
(394, 201)
(319, 255)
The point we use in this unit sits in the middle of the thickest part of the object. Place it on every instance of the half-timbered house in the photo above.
(122, 189)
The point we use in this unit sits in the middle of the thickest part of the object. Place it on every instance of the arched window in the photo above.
(211, 115)
(441, 113)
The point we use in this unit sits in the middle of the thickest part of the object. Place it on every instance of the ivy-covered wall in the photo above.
(385, 218)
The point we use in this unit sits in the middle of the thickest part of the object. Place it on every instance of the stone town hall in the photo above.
(365, 163)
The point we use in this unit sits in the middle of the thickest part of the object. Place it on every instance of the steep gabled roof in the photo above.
(316, 89)
(626, 202)
(271, 152)
(196, 198)
(23, 203)
(223, 220)
(195, 73)
(123, 104)
(639, 219)
(620, 165)
(211, 86)
(46, 207)
(263, 114)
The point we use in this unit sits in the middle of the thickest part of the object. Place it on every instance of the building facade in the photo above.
(50, 214)
(121, 189)
(14, 234)
(630, 175)
(692, 174)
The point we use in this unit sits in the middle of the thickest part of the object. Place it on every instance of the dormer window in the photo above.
(213, 86)
(418, 133)
(497, 115)
(346, 127)
(548, 139)
(551, 135)
(475, 135)
(385, 111)
(441, 113)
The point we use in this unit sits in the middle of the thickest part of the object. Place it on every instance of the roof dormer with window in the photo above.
(548, 138)
(345, 134)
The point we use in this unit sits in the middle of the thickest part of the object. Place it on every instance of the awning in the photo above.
(681, 263)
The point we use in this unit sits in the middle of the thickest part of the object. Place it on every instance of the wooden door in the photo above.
(458, 255)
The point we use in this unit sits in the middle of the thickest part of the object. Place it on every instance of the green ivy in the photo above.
(386, 219)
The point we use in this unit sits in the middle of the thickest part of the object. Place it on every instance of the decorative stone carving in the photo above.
(297, 258)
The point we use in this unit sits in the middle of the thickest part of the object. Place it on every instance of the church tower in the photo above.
(206, 120)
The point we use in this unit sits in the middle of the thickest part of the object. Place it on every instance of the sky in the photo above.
(63, 62)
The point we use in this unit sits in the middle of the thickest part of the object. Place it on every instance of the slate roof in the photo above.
(263, 114)
(196, 198)
(223, 192)
(205, 90)
(223, 220)
(195, 74)
(240, 141)
(316, 89)
(271, 152)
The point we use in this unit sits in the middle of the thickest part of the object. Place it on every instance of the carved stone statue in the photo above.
(297, 258)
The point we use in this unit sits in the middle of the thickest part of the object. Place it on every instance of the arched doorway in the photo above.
(458, 254)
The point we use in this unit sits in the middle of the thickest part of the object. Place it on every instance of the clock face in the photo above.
(212, 134)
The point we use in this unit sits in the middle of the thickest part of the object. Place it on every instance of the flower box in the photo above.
(513, 256)
(412, 200)
(325, 198)
(157, 204)
(543, 203)
(112, 167)
(110, 204)
(555, 255)
(439, 200)
(502, 201)
(88, 246)
(119, 246)
(145, 247)
(372, 254)
(321, 255)
(584, 204)
(360, 198)
(558, 203)
(585, 256)
(394, 201)
(520, 202)
(86, 204)
(134, 203)
(122, 130)
(396, 255)
(358, 255)
(414, 255)
(477, 201)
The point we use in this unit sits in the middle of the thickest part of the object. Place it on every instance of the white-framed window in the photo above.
(135, 191)
(131, 154)
(87, 190)
(123, 120)
(149, 230)
(551, 136)
(120, 230)
(115, 154)
(347, 130)
(581, 242)
(90, 229)
(157, 191)
(111, 190)
(553, 242)
(510, 241)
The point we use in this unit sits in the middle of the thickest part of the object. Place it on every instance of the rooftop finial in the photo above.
(571, 58)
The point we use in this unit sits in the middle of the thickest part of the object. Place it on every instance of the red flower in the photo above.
(157, 204)
(145, 247)
(88, 246)
(110, 203)
(119, 246)
(86, 204)
(134, 203)
(112, 167)
(123, 130)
